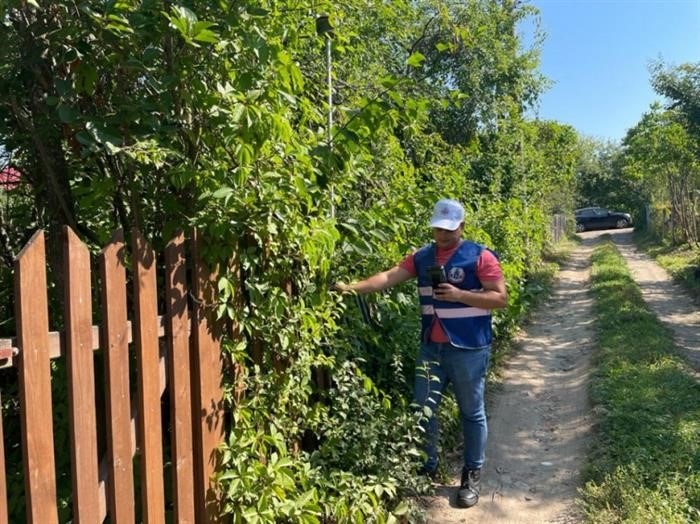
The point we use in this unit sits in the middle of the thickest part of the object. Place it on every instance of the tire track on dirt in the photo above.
(664, 297)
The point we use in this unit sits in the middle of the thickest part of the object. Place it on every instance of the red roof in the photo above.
(9, 178)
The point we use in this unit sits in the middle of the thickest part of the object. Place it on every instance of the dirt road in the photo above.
(539, 413)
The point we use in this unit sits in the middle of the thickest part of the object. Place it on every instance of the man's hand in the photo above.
(377, 282)
(343, 288)
(447, 292)
(492, 295)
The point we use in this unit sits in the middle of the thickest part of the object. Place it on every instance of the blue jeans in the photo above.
(437, 366)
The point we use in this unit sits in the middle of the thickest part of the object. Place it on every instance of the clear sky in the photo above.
(597, 53)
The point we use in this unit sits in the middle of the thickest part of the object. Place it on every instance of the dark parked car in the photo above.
(600, 218)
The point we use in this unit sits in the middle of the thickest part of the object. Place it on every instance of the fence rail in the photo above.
(178, 353)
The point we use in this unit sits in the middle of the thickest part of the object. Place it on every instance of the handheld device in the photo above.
(437, 275)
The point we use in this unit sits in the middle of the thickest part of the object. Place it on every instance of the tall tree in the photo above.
(602, 180)
(681, 86)
(662, 153)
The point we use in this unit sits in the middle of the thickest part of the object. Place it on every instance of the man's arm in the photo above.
(377, 282)
(493, 294)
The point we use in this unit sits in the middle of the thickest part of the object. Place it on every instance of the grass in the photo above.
(644, 463)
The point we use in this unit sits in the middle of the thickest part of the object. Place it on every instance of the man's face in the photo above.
(444, 238)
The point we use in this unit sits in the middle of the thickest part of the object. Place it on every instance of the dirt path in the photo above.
(665, 298)
(539, 418)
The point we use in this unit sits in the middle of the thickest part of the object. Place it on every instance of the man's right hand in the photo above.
(343, 288)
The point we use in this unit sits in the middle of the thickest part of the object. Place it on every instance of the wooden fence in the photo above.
(178, 353)
(557, 227)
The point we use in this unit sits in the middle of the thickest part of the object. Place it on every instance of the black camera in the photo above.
(437, 275)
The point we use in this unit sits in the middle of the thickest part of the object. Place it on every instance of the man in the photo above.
(459, 283)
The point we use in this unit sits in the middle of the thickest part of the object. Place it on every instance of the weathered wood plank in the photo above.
(207, 390)
(55, 349)
(177, 327)
(116, 334)
(81, 378)
(149, 415)
(31, 313)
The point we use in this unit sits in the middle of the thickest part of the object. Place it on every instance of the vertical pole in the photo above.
(330, 112)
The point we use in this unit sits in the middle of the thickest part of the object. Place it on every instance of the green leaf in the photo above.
(415, 60)
(223, 192)
(185, 16)
(67, 114)
(107, 138)
(389, 81)
(63, 87)
(349, 227)
(207, 36)
(237, 113)
(258, 11)
(201, 32)
(150, 54)
(86, 79)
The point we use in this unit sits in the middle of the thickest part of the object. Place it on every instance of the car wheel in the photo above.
(621, 223)
(579, 227)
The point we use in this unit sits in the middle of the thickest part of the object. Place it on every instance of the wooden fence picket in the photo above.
(147, 351)
(31, 313)
(178, 328)
(115, 343)
(81, 379)
(178, 353)
(207, 386)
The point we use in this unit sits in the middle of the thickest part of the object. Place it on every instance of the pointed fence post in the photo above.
(81, 378)
(36, 413)
(115, 343)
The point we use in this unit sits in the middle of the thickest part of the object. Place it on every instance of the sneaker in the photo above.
(468, 494)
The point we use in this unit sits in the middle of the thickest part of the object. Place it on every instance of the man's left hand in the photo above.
(447, 292)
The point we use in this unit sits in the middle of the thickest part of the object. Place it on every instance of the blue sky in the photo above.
(597, 54)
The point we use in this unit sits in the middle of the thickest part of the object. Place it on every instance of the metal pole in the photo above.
(330, 116)
(324, 28)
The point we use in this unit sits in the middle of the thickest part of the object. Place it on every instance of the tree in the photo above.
(662, 151)
(602, 181)
(662, 154)
(681, 86)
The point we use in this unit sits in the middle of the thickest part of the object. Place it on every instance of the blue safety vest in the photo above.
(465, 326)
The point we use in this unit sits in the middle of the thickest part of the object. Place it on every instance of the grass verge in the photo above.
(644, 463)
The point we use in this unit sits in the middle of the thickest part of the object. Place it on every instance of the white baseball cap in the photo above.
(447, 214)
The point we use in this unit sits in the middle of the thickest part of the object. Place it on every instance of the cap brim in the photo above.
(450, 225)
